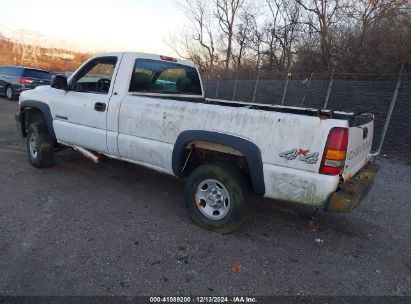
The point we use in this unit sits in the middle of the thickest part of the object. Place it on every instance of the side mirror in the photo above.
(59, 82)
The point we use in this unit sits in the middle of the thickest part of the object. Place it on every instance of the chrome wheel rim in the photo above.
(9, 93)
(33, 145)
(212, 199)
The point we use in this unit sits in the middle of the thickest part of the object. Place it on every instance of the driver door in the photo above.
(80, 113)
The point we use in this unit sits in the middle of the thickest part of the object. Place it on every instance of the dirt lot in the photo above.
(119, 229)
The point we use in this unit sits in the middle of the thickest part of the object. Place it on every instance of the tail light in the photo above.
(24, 80)
(335, 151)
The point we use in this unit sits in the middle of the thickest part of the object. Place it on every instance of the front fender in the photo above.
(43, 108)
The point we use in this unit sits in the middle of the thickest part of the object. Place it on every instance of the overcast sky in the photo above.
(96, 25)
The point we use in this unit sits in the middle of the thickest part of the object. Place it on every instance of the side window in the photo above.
(11, 71)
(96, 76)
(6, 71)
(153, 76)
(14, 71)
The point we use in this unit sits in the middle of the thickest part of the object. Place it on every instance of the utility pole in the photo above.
(30, 47)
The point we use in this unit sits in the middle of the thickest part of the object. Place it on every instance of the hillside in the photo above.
(57, 60)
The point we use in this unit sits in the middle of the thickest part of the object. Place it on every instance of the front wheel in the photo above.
(215, 198)
(40, 146)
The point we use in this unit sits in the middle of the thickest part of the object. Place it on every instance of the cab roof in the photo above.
(147, 56)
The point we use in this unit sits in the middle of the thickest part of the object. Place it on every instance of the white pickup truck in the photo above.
(150, 110)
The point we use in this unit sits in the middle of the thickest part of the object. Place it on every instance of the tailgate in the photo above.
(359, 146)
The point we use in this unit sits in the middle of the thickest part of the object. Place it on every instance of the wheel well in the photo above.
(236, 150)
(197, 153)
(33, 115)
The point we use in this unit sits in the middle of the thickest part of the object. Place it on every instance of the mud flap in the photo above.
(19, 124)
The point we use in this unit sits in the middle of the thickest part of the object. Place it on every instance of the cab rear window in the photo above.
(152, 76)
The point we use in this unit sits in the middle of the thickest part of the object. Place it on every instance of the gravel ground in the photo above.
(119, 229)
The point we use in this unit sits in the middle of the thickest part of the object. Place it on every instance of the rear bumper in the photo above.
(350, 194)
(18, 88)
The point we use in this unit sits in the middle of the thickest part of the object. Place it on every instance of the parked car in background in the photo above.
(16, 79)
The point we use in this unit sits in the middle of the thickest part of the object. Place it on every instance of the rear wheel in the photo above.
(10, 93)
(215, 198)
(40, 146)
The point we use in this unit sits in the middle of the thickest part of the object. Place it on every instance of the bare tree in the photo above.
(242, 37)
(281, 32)
(270, 30)
(256, 41)
(226, 13)
(201, 16)
(320, 16)
(198, 43)
(359, 35)
(372, 36)
(367, 12)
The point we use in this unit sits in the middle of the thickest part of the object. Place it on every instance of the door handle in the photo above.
(100, 106)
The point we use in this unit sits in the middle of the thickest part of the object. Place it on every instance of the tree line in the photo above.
(273, 36)
(8, 56)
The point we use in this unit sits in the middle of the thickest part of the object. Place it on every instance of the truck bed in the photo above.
(354, 118)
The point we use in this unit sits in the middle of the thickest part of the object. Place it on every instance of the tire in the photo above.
(10, 93)
(215, 197)
(40, 146)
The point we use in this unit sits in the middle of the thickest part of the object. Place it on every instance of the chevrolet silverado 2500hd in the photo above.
(150, 110)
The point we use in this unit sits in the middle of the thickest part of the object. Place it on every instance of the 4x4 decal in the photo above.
(300, 154)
